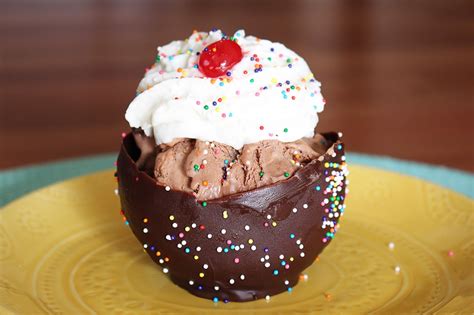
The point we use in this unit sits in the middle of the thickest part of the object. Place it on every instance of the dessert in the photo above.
(223, 178)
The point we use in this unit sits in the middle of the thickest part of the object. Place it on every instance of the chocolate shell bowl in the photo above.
(243, 246)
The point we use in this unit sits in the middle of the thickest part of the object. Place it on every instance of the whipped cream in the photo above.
(270, 94)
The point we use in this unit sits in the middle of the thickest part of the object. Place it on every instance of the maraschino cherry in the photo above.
(219, 57)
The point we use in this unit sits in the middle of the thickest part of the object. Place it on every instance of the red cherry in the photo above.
(217, 58)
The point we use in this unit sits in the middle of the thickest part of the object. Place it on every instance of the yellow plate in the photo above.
(64, 249)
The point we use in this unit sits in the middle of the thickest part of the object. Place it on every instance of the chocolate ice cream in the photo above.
(211, 170)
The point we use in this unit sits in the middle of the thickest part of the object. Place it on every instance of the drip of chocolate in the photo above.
(242, 246)
(148, 151)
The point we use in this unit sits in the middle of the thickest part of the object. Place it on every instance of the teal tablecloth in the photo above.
(17, 182)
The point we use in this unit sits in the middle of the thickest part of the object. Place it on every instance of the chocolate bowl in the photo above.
(243, 246)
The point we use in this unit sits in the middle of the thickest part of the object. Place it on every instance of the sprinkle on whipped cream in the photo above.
(270, 94)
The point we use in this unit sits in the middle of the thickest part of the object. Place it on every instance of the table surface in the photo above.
(397, 75)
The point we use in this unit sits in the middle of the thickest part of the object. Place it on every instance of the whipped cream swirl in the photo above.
(270, 94)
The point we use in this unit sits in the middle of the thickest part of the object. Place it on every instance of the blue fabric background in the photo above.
(17, 182)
